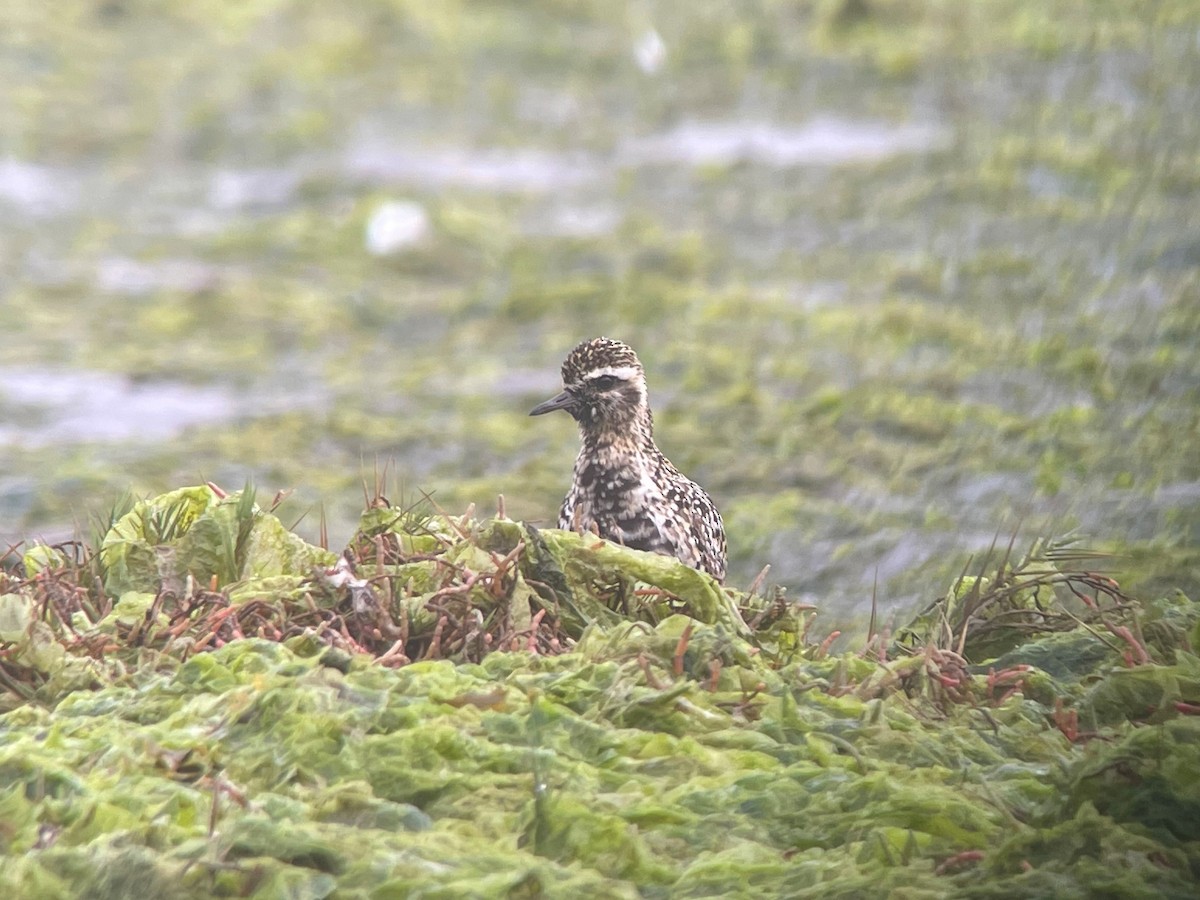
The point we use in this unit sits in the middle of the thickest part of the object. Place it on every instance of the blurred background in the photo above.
(905, 274)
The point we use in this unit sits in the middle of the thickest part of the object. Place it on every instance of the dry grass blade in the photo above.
(1047, 590)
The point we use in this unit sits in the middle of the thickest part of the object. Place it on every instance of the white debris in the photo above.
(396, 225)
(649, 51)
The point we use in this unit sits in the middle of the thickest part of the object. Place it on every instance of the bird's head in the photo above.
(604, 387)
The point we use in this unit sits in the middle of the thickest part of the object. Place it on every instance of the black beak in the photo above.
(559, 401)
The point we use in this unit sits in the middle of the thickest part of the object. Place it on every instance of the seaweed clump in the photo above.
(202, 704)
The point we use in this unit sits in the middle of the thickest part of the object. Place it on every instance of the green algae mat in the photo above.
(200, 704)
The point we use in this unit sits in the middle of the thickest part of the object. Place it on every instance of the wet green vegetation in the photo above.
(202, 704)
(907, 275)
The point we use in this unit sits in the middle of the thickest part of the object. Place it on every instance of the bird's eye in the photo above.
(605, 382)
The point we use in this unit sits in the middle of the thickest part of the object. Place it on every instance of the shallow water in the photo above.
(74, 406)
(902, 283)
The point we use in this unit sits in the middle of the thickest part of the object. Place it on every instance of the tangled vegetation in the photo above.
(202, 704)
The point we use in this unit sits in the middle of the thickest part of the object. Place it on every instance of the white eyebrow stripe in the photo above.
(623, 372)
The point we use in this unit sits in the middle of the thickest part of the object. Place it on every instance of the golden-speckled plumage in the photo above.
(623, 486)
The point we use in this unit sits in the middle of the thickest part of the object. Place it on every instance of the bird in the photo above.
(622, 486)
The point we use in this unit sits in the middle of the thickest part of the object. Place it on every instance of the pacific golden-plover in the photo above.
(623, 487)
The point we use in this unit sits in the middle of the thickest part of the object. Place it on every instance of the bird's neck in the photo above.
(631, 437)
